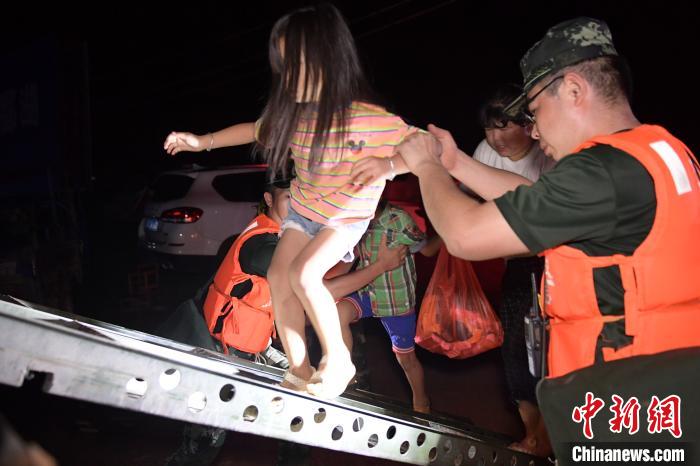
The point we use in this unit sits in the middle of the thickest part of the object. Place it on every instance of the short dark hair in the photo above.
(280, 183)
(271, 187)
(491, 112)
(280, 180)
(610, 76)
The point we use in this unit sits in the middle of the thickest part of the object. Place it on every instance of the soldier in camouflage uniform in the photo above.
(623, 198)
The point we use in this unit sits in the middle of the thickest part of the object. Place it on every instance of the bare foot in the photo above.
(421, 404)
(526, 445)
(294, 382)
(536, 441)
(424, 409)
(533, 446)
(333, 379)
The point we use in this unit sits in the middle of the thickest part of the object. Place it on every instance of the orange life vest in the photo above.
(245, 323)
(660, 279)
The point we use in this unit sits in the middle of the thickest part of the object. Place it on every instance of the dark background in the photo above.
(89, 92)
(200, 66)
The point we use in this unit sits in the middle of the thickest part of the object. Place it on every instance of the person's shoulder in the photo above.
(260, 240)
(595, 166)
(576, 171)
(381, 123)
(360, 110)
(594, 154)
(599, 154)
(487, 155)
(618, 163)
(367, 108)
(483, 150)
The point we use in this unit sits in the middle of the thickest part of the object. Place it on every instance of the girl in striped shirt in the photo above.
(319, 112)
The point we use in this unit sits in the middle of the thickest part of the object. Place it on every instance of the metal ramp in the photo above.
(111, 365)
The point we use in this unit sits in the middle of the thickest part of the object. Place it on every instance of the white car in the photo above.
(200, 211)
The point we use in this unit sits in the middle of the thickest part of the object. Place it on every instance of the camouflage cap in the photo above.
(563, 45)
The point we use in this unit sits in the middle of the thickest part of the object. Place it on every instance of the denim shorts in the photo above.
(351, 232)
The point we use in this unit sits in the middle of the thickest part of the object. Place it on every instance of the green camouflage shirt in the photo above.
(393, 293)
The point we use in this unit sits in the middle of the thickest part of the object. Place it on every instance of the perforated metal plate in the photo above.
(110, 365)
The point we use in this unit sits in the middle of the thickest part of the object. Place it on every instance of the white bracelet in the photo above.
(393, 172)
(211, 142)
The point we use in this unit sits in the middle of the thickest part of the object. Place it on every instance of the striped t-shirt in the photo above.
(323, 193)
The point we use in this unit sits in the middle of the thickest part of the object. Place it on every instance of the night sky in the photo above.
(200, 66)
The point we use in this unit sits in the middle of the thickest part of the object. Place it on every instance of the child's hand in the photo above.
(390, 258)
(178, 142)
(370, 169)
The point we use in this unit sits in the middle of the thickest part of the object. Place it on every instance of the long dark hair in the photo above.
(321, 35)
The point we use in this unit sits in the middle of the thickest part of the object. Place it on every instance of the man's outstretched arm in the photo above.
(486, 181)
(469, 229)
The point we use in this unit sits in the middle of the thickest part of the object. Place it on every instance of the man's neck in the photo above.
(613, 120)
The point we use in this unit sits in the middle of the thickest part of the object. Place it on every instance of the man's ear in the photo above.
(268, 199)
(575, 87)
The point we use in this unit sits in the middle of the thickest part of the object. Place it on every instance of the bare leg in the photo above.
(306, 277)
(536, 440)
(530, 416)
(544, 446)
(289, 313)
(414, 373)
(347, 313)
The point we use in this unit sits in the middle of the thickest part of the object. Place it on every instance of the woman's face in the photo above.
(512, 141)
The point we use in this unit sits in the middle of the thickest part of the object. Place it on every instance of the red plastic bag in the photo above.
(455, 317)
